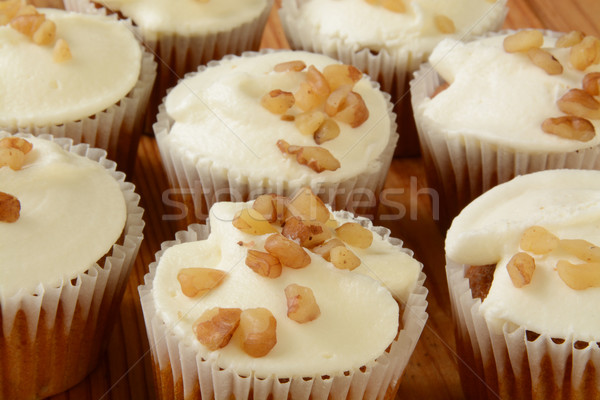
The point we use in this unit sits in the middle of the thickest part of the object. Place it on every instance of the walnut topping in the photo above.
(295, 65)
(309, 122)
(16, 143)
(302, 306)
(354, 110)
(585, 53)
(309, 233)
(579, 103)
(538, 240)
(263, 264)
(522, 41)
(545, 61)
(273, 207)
(215, 327)
(317, 158)
(328, 130)
(12, 158)
(61, 52)
(10, 208)
(257, 331)
(581, 249)
(591, 83)
(253, 222)
(324, 250)
(570, 127)
(289, 253)
(579, 276)
(277, 101)
(520, 269)
(396, 6)
(355, 235)
(198, 281)
(444, 24)
(570, 39)
(341, 74)
(308, 206)
(343, 258)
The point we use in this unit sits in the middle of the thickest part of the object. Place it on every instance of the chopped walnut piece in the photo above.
(545, 61)
(318, 82)
(343, 258)
(309, 122)
(215, 327)
(295, 65)
(354, 111)
(439, 89)
(444, 24)
(579, 276)
(538, 240)
(523, 41)
(16, 143)
(355, 235)
(253, 222)
(324, 250)
(341, 74)
(11, 157)
(579, 103)
(329, 130)
(307, 97)
(302, 306)
(272, 206)
(8, 9)
(264, 264)
(317, 158)
(570, 39)
(581, 249)
(570, 127)
(61, 52)
(337, 99)
(27, 10)
(308, 206)
(520, 268)
(277, 101)
(10, 208)
(309, 233)
(591, 83)
(45, 34)
(257, 329)
(289, 253)
(27, 24)
(396, 6)
(198, 281)
(585, 53)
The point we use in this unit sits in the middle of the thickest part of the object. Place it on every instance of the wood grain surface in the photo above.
(125, 371)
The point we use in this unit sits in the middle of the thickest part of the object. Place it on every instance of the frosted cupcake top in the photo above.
(237, 114)
(36, 90)
(72, 211)
(505, 98)
(187, 17)
(348, 318)
(397, 24)
(546, 216)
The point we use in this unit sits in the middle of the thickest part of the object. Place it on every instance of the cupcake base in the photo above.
(52, 338)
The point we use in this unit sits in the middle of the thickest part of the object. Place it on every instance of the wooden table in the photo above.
(125, 371)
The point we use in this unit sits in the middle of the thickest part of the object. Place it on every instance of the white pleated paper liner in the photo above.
(208, 183)
(116, 129)
(51, 339)
(181, 373)
(505, 363)
(393, 69)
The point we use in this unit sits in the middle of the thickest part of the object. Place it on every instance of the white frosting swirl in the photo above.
(362, 25)
(567, 203)
(187, 17)
(501, 98)
(39, 91)
(359, 316)
(72, 212)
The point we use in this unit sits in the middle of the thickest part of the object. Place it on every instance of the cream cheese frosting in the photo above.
(218, 116)
(72, 212)
(362, 25)
(501, 98)
(565, 202)
(187, 17)
(105, 66)
(359, 314)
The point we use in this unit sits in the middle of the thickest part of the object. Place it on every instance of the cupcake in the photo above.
(502, 106)
(275, 122)
(320, 306)
(70, 230)
(187, 33)
(84, 77)
(523, 270)
(387, 39)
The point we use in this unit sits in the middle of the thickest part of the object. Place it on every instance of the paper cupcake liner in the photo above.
(505, 363)
(392, 69)
(461, 168)
(204, 183)
(181, 373)
(51, 338)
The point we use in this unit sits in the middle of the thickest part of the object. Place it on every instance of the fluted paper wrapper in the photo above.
(393, 69)
(501, 362)
(462, 167)
(182, 373)
(52, 338)
(205, 183)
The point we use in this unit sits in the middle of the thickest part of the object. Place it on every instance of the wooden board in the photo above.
(125, 371)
